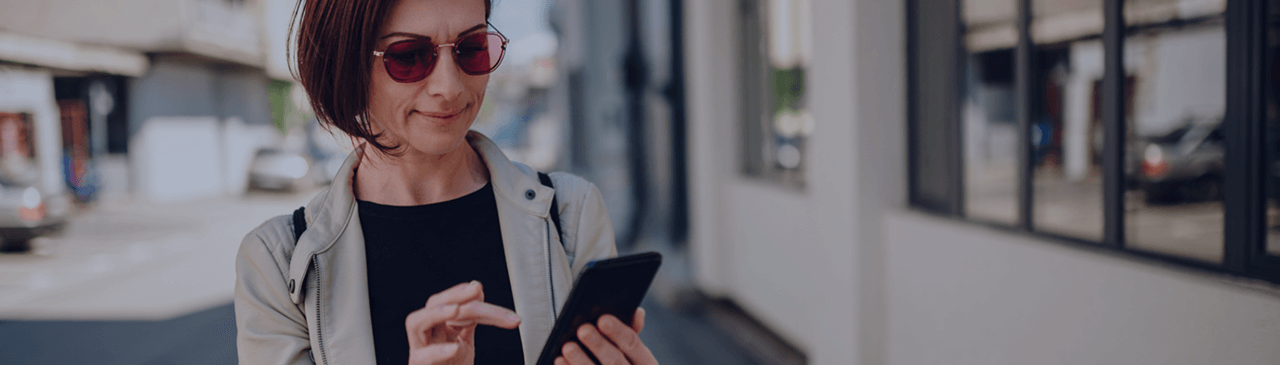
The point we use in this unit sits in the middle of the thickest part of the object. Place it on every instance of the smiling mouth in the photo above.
(442, 117)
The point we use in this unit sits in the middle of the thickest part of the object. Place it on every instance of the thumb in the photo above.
(637, 323)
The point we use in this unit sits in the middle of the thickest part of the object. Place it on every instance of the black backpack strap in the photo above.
(555, 208)
(299, 224)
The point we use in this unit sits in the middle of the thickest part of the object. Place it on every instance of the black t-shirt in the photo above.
(413, 252)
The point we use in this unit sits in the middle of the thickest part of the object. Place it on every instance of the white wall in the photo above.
(783, 254)
(177, 158)
(185, 158)
(964, 294)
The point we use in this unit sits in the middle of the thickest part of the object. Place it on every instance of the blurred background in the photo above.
(831, 181)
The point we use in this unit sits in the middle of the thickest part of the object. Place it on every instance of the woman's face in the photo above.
(430, 116)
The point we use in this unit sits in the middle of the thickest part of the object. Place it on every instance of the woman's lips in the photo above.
(442, 117)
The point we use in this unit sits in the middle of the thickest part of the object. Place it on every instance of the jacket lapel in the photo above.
(536, 261)
(330, 257)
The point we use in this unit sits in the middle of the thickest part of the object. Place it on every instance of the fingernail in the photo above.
(475, 283)
(453, 347)
(513, 317)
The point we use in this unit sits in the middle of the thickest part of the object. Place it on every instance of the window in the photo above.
(1150, 127)
(1066, 126)
(776, 122)
(1271, 90)
(1176, 146)
(989, 129)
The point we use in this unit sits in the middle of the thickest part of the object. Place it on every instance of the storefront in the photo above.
(954, 200)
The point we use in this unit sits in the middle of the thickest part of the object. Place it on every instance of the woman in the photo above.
(430, 247)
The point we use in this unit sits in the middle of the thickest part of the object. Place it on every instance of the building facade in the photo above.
(941, 182)
(172, 98)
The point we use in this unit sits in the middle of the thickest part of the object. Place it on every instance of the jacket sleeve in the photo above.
(593, 235)
(270, 328)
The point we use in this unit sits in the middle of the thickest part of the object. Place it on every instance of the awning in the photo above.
(59, 54)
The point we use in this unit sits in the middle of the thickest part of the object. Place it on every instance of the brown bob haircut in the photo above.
(335, 41)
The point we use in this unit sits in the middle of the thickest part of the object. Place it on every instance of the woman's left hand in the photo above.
(611, 341)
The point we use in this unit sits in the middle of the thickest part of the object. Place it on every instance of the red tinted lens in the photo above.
(479, 53)
(409, 61)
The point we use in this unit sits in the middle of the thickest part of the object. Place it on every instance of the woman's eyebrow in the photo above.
(411, 35)
(472, 29)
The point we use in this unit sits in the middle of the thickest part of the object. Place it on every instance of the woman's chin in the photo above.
(437, 143)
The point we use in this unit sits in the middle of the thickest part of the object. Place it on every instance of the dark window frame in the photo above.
(1244, 125)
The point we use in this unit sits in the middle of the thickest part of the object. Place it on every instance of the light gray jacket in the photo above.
(309, 303)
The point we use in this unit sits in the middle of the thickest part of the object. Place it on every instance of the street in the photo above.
(138, 283)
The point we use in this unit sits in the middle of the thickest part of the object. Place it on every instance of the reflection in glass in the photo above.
(18, 165)
(1066, 127)
(777, 123)
(987, 112)
(1175, 57)
(1273, 129)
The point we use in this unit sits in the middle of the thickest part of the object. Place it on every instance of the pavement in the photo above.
(132, 282)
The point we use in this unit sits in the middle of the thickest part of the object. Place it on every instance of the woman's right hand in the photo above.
(444, 331)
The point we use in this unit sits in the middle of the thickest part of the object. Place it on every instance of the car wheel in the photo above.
(15, 246)
(1157, 194)
(1207, 188)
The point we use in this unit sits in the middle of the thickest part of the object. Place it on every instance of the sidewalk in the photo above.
(127, 260)
(139, 283)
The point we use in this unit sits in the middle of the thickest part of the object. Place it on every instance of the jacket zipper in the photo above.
(319, 334)
(550, 278)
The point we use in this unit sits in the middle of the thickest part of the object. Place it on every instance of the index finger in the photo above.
(458, 294)
(477, 312)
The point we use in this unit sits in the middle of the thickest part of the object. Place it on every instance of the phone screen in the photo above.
(614, 286)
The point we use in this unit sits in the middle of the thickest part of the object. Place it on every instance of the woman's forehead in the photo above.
(434, 18)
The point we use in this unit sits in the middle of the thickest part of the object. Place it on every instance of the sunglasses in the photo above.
(412, 60)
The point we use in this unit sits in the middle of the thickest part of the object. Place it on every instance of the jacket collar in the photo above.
(512, 181)
(329, 213)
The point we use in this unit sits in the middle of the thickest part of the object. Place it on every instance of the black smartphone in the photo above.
(613, 286)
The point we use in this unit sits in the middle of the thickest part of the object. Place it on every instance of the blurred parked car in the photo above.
(27, 213)
(326, 151)
(278, 169)
(1184, 164)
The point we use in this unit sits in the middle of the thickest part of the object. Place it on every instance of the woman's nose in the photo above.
(446, 79)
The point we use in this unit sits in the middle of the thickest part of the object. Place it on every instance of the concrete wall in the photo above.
(139, 24)
(184, 158)
(212, 105)
(213, 28)
(172, 88)
(177, 158)
(850, 274)
(783, 254)
(964, 294)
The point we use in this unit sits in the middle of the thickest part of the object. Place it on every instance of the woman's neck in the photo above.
(417, 178)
